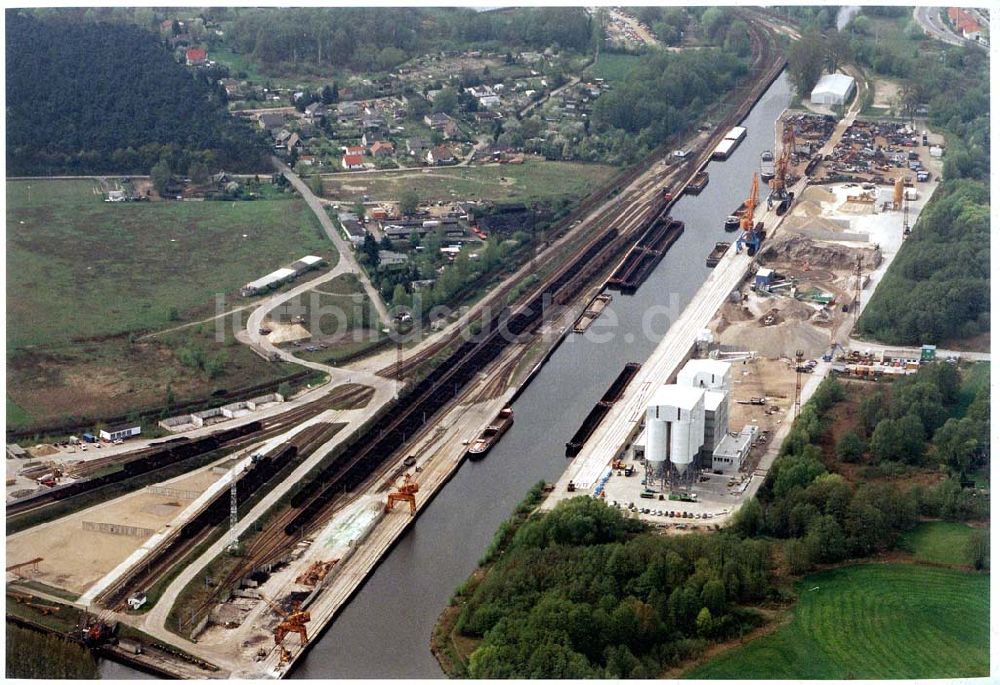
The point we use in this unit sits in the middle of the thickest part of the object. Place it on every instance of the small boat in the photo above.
(766, 165)
(493, 432)
(732, 222)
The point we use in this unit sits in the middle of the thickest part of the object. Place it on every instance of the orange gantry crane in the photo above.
(293, 621)
(407, 492)
(779, 184)
(750, 236)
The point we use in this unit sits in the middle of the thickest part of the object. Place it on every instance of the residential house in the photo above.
(489, 102)
(382, 149)
(308, 160)
(372, 123)
(453, 132)
(352, 227)
(196, 57)
(347, 112)
(352, 162)
(480, 91)
(179, 40)
(354, 150)
(316, 110)
(269, 122)
(371, 137)
(485, 116)
(390, 258)
(417, 147)
(437, 121)
(440, 155)
(293, 140)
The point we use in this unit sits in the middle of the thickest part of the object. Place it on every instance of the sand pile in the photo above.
(800, 249)
(781, 340)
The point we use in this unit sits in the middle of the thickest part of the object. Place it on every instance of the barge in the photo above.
(729, 143)
(697, 183)
(591, 313)
(645, 255)
(597, 414)
(716, 254)
(492, 434)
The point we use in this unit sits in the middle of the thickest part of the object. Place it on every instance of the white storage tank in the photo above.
(656, 439)
(681, 410)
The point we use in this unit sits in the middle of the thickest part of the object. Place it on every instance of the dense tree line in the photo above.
(938, 287)
(666, 93)
(823, 518)
(379, 39)
(88, 97)
(584, 592)
(31, 654)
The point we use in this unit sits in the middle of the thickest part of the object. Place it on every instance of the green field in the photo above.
(533, 181)
(80, 268)
(612, 67)
(873, 621)
(938, 541)
(83, 276)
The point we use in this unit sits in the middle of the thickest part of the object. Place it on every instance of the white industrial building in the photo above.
(119, 432)
(832, 89)
(271, 280)
(732, 450)
(675, 428)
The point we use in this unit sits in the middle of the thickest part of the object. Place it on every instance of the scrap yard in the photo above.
(229, 546)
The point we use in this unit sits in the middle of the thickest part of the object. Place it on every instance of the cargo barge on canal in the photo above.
(492, 434)
(716, 254)
(596, 415)
(645, 255)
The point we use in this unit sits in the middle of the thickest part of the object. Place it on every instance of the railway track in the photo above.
(621, 222)
(206, 522)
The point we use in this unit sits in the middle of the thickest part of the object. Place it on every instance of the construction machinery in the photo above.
(293, 621)
(828, 357)
(751, 236)
(779, 194)
(407, 492)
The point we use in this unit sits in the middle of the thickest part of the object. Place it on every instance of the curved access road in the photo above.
(343, 247)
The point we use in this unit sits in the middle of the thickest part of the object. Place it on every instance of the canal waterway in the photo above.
(385, 630)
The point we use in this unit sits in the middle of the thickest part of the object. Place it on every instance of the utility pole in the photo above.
(799, 356)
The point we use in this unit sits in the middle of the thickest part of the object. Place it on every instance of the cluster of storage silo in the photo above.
(685, 420)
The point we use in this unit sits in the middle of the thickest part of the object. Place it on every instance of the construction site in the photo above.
(240, 562)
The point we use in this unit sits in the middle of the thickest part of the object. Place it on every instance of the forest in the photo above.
(379, 39)
(900, 427)
(31, 654)
(86, 97)
(938, 287)
(585, 592)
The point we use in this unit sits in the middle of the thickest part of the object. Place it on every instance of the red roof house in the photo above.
(196, 57)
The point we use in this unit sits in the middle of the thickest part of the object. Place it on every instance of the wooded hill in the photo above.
(88, 97)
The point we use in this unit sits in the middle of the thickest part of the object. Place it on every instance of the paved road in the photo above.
(933, 25)
(343, 247)
(856, 344)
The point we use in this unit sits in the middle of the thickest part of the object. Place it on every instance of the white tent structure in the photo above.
(832, 89)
